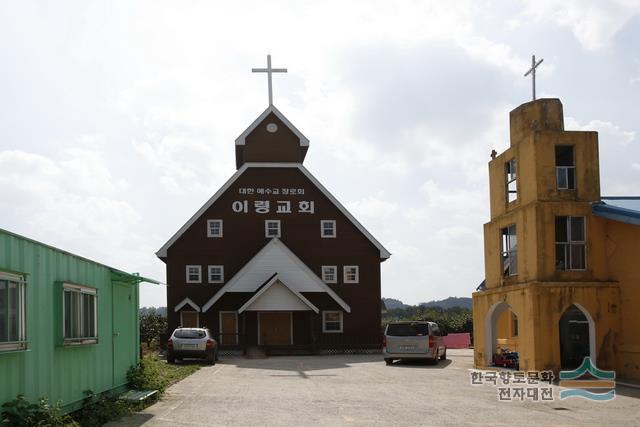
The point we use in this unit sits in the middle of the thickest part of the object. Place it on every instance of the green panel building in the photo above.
(67, 324)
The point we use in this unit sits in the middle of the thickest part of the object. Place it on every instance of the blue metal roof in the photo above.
(627, 202)
(623, 208)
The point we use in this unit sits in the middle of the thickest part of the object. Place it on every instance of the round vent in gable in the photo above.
(272, 127)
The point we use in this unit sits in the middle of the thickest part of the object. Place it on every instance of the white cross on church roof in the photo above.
(269, 70)
(532, 71)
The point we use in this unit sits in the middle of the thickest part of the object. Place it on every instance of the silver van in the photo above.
(413, 340)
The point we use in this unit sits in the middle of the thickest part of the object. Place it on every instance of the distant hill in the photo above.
(392, 303)
(463, 302)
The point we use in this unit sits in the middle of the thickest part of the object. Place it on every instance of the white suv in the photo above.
(192, 342)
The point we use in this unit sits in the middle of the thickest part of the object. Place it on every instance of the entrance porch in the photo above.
(550, 325)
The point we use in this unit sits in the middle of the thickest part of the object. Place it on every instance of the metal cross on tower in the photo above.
(532, 71)
(269, 70)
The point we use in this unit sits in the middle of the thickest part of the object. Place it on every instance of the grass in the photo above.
(150, 373)
(156, 374)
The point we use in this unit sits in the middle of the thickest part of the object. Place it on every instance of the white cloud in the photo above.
(616, 147)
(373, 207)
(184, 164)
(80, 170)
(454, 200)
(120, 122)
(58, 202)
(594, 23)
(608, 132)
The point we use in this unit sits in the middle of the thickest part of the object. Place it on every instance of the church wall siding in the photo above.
(244, 236)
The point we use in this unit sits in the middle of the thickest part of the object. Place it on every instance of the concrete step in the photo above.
(256, 353)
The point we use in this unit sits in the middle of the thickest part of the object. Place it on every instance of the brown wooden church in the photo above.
(273, 259)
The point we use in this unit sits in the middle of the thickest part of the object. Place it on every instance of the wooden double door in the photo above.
(275, 328)
(228, 328)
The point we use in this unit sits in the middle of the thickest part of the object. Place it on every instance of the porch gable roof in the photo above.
(186, 301)
(275, 260)
(272, 284)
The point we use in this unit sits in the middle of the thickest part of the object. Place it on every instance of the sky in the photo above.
(118, 119)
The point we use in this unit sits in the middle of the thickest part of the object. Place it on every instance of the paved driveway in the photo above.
(360, 389)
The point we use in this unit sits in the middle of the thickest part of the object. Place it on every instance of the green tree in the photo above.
(152, 324)
(454, 319)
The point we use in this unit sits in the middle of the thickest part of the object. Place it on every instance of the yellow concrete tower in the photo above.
(556, 270)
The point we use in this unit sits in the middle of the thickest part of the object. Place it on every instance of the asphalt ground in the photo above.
(362, 390)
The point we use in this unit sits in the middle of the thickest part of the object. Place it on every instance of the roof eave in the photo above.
(615, 213)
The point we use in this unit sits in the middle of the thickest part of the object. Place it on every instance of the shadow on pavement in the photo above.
(303, 363)
(420, 364)
(133, 420)
(624, 390)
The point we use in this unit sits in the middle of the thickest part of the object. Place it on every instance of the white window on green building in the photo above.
(80, 314)
(13, 331)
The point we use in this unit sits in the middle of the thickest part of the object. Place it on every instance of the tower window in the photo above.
(565, 167)
(510, 175)
(571, 248)
(272, 228)
(509, 251)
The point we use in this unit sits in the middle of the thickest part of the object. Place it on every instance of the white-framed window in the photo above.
(571, 243)
(327, 228)
(509, 251)
(13, 319)
(272, 228)
(332, 322)
(351, 274)
(79, 314)
(330, 274)
(193, 273)
(216, 274)
(214, 228)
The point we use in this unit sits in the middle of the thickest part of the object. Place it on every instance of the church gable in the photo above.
(276, 191)
(271, 138)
